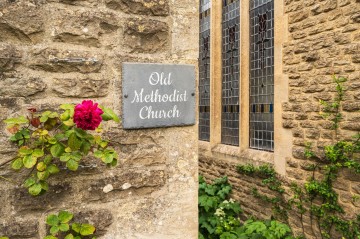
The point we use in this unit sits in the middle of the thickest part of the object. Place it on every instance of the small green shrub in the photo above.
(217, 212)
(218, 216)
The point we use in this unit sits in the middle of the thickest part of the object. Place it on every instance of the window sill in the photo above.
(233, 153)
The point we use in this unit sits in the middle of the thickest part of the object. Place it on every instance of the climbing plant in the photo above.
(317, 197)
(51, 141)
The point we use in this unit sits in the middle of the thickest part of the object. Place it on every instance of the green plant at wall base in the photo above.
(264, 230)
(217, 212)
(4, 238)
(218, 216)
(60, 227)
(46, 140)
(317, 197)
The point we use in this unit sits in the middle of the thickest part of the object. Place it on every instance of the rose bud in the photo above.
(35, 122)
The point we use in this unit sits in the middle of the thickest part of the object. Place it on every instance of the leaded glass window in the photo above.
(204, 69)
(262, 74)
(230, 72)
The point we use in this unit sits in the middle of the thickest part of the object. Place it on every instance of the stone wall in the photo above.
(322, 38)
(56, 51)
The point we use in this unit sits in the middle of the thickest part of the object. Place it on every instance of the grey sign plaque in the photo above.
(158, 95)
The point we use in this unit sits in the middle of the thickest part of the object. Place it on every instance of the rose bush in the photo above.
(48, 139)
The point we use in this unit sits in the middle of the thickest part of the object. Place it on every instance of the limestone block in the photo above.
(101, 219)
(22, 201)
(83, 27)
(354, 126)
(288, 124)
(351, 106)
(19, 228)
(143, 7)
(81, 87)
(10, 57)
(65, 61)
(139, 182)
(21, 23)
(298, 152)
(312, 134)
(298, 132)
(19, 85)
(146, 36)
(86, 3)
(298, 16)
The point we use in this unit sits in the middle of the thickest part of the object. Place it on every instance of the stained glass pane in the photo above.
(204, 71)
(230, 72)
(262, 74)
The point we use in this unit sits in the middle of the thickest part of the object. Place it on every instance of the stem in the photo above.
(6, 162)
(7, 180)
(318, 223)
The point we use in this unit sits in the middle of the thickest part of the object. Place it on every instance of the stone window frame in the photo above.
(283, 137)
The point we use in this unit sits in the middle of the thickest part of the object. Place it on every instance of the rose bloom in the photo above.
(87, 115)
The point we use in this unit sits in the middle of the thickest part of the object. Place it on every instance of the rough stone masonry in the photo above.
(56, 51)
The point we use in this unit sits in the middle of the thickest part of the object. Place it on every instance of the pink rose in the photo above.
(87, 115)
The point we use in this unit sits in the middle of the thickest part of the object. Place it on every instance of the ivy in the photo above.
(317, 197)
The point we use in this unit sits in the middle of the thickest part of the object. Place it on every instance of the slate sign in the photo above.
(158, 95)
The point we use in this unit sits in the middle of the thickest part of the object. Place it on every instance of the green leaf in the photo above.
(53, 169)
(81, 133)
(67, 106)
(43, 175)
(53, 115)
(54, 230)
(87, 229)
(41, 166)
(29, 161)
(65, 157)
(50, 237)
(108, 158)
(57, 150)
(72, 165)
(64, 227)
(85, 147)
(114, 163)
(38, 153)
(69, 236)
(19, 120)
(65, 216)
(47, 159)
(29, 182)
(65, 116)
(98, 154)
(109, 115)
(103, 144)
(76, 227)
(25, 151)
(17, 164)
(74, 142)
(35, 189)
(44, 185)
(4, 238)
(52, 220)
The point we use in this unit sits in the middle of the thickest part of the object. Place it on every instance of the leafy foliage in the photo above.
(217, 212)
(60, 227)
(48, 139)
(218, 216)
